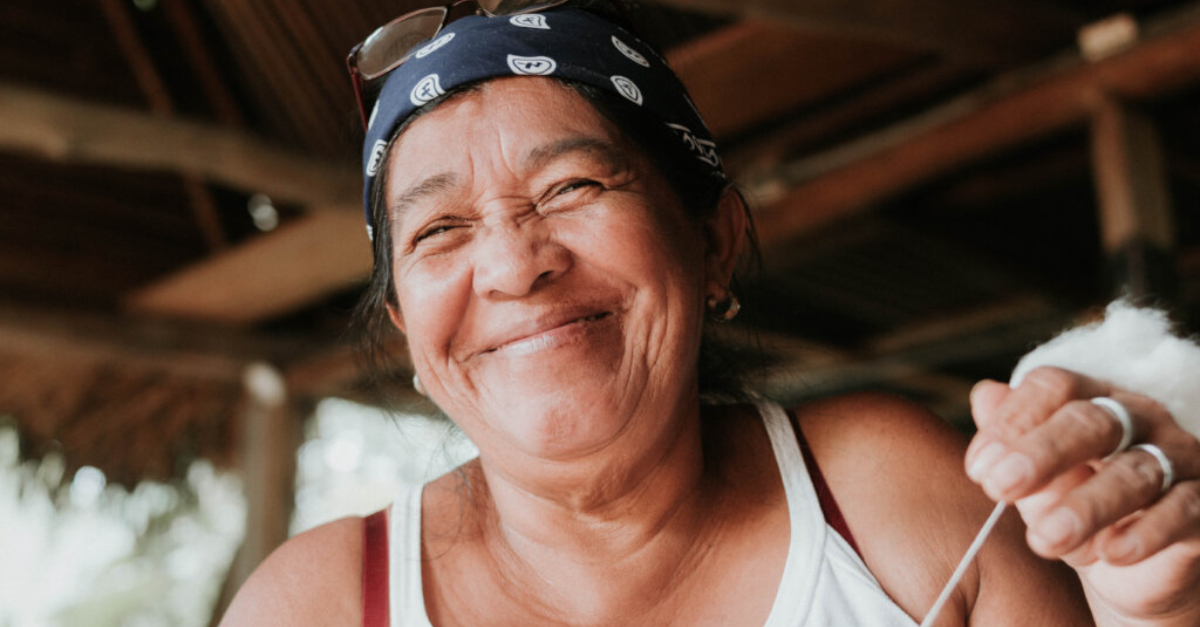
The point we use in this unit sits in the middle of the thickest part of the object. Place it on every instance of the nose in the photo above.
(516, 258)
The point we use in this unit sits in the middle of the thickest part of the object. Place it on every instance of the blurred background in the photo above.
(938, 186)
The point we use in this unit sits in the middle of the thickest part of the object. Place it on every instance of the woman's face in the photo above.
(550, 285)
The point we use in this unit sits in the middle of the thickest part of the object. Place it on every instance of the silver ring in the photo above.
(1121, 415)
(1167, 467)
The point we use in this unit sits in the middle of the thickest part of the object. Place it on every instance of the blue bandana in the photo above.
(564, 43)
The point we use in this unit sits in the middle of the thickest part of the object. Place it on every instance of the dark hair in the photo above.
(723, 368)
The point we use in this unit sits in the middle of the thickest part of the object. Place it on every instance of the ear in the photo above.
(725, 233)
(397, 317)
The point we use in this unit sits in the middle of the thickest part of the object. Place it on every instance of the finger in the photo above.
(1174, 518)
(1076, 433)
(986, 397)
(1035, 506)
(1039, 395)
(1130, 482)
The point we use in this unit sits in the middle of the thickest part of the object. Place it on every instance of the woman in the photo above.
(552, 233)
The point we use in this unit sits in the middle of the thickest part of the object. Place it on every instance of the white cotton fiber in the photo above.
(1134, 349)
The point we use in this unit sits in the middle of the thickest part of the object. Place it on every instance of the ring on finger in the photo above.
(1121, 415)
(1167, 467)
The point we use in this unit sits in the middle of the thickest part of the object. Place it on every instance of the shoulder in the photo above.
(896, 471)
(315, 578)
(885, 424)
(894, 467)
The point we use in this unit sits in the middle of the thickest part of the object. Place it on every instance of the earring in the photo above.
(725, 309)
(420, 389)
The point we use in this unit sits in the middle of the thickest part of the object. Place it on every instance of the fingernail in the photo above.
(1060, 526)
(984, 460)
(1009, 473)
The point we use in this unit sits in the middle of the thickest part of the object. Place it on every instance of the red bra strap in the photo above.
(375, 570)
(829, 506)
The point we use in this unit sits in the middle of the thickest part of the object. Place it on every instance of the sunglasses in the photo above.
(395, 42)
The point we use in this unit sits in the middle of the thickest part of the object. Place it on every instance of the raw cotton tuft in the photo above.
(1133, 348)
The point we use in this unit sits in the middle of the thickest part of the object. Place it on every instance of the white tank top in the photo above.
(824, 582)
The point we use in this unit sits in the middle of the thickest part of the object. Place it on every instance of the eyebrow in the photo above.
(436, 184)
(542, 155)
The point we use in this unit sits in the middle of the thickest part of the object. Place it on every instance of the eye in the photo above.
(570, 193)
(572, 186)
(435, 229)
(430, 232)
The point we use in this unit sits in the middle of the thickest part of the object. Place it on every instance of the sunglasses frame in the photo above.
(361, 80)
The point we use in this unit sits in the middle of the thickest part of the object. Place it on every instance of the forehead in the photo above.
(510, 114)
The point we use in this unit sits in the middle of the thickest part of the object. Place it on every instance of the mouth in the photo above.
(551, 335)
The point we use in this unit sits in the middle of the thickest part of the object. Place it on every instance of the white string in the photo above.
(962, 565)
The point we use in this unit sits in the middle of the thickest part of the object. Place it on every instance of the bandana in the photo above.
(564, 43)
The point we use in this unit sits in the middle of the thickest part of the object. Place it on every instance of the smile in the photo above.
(552, 336)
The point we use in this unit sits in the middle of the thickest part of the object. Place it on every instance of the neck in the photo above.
(561, 529)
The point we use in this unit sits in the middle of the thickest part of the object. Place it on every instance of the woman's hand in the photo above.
(1043, 446)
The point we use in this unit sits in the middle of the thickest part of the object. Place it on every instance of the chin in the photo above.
(563, 423)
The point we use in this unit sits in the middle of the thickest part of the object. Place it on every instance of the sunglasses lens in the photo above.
(514, 7)
(387, 47)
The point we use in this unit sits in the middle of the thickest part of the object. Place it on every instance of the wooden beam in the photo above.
(764, 147)
(271, 431)
(137, 56)
(825, 188)
(807, 194)
(1013, 309)
(71, 131)
(753, 71)
(140, 60)
(198, 53)
(275, 273)
(908, 360)
(339, 371)
(976, 335)
(201, 352)
(1130, 177)
(984, 31)
(1136, 220)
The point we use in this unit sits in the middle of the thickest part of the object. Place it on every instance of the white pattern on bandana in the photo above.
(530, 20)
(633, 55)
(433, 45)
(376, 157)
(425, 90)
(704, 149)
(531, 66)
(628, 89)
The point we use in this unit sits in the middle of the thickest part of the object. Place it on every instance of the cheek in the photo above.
(646, 248)
(432, 296)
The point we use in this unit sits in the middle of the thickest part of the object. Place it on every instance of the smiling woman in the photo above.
(553, 232)
(537, 282)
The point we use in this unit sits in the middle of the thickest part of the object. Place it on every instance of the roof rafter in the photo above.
(803, 195)
(71, 131)
(303, 261)
(201, 352)
(988, 32)
(139, 59)
(815, 191)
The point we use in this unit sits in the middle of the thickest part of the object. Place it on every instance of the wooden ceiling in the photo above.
(924, 177)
